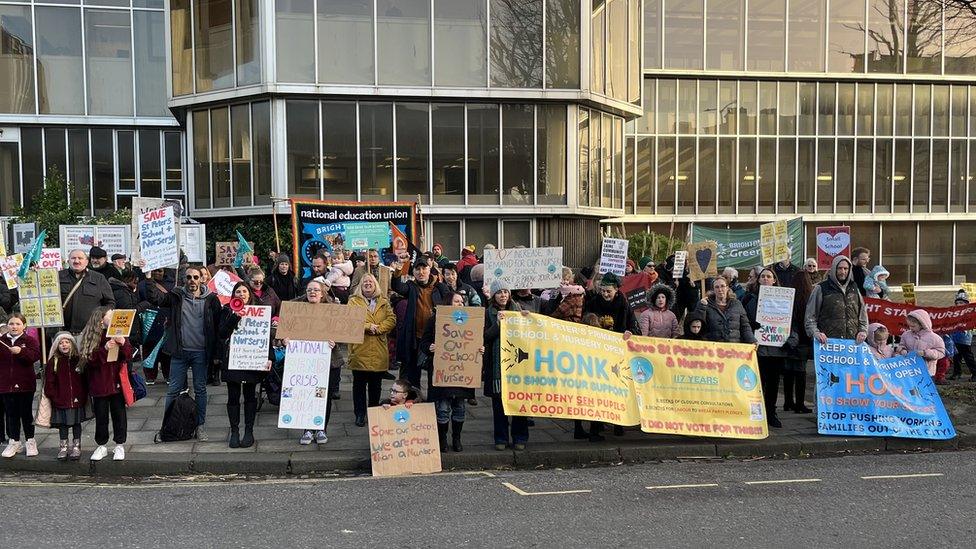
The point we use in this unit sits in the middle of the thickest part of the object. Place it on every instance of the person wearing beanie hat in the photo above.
(963, 340)
(66, 387)
(644, 262)
(282, 279)
(631, 267)
(98, 262)
(514, 430)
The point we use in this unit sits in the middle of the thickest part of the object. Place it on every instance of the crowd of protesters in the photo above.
(186, 330)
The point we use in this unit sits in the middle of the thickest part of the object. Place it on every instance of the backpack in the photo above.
(180, 419)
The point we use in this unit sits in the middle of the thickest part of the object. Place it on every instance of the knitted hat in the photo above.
(498, 285)
(644, 261)
(610, 279)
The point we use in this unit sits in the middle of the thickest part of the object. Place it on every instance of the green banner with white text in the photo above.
(739, 248)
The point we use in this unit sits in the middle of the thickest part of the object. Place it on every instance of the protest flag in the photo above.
(33, 255)
(242, 248)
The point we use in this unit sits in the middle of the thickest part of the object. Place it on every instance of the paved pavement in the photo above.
(891, 500)
(551, 443)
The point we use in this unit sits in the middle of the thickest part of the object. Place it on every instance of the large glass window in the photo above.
(939, 202)
(10, 177)
(345, 34)
(213, 44)
(220, 156)
(181, 46)
(965, 257)
(461, 41)
(806, 174)
(724, 26)
(726, 175)
(516, 233)
(652, 34)
(685, 179)
(846, 100)
(339, 169)
(864, 175)
(16, 61)
(844, 186)
(598, 47)
(635, 73)
(150, 174)
(883, 164)
(173, 146)
(806, 36)
(646, 179)
(126, 142)
(960, 40)
(920, 177)
(483, 154)
(683, 32)
(766, 180)
(150, 57)
(60, 72)
(617, 50)
(302, 139)
(412, 121)
(295, 41)
(562, 43)
(923, 54)
(518, 142)
(376, 150)
(108, 51)
(55, 157)
(845, 29)
(516, 44)
(447, 131)
(898, 250)
(103, 170)
(786, 178)
(901, 192)
(201, 159)
(552, 154)
(32, 163)
(957, 176)
(886, 32)
(240, 142)
(247, 36)
(767, 32)
(707, 156)
(480, 232)
(403, 42)
(78, 176)
(261, 155)
(747, 175)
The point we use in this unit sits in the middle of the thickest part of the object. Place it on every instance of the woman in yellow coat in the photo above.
(370, 359)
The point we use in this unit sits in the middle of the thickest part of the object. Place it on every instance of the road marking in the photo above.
(914, 475)
(670, 486)
(785, 481)
(522, 492)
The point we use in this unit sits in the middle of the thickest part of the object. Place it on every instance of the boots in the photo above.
(63, 451)
(234, 416)
(248, 440)
(250, 410)
(75, 453)
(456, 435)
(442, 435)
(788, 402)
(800, 388)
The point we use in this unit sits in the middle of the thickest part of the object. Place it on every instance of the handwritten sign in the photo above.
(908, 293)
(321, 322)
(680, 261)
(10, 265)
(613, 256)
(525, 268)
(226, 252)
(121, 322)
(774, 313)
(193, 240)
(386, 274)
(250, 341)
(40, 298)
(702, 260)
(223, 284)
(403, 441)
(50, 259)
(142, 205)
(158, 243)
(832, 242)
(362, 236)
(774, 242)
(459, 333)
(305, 385)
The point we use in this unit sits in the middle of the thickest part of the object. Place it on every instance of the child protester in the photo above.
(18, 353)
(104, 381)
(402, 392)
(67, 388)
(694, 322)
(878, 341)
(876, 283)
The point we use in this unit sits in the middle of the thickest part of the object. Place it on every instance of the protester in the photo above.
(963, 340)
(526, 300)
(372, 266)
(263, 294)
(860, 258)
(82, 290)
(67, 389)
(104, 381)
(785, 271)
(282, 279)
(401, 393)
(437, 254)
(239, 382)
(610, 306)
(8, 298)
(100, 264)
(451, 278)
(875, 283)
(920, 338)
(631, 267)
(693, 326)
(420, 293)
(725, 318)
(658, 320)
(836, 308)
(320, 268)
(877, 340)
(119, 261)
(812, 269)
(191, 312)
(370, 359)
(731, 275)
(515, 431)
(795, 369)
(124, 290)
(338, 280)
(18, 353)
(152, 291)
(315, 292)
(468, 260)
(771, 360)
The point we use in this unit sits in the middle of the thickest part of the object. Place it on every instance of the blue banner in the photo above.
(363, 236)
(859, 395)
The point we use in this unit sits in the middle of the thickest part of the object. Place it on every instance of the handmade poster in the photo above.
(31, 309)
(945, 320)
(10, 265)
(222, 283)
(774, 242)
(697, 388)
(635, 287)
(40, 298)
(114, 239)
(50, 259)
(121, 323)
(29, 286)
(226, 252)
(858, 395)
(613, 256)
(680, 262)
(557, 369)
(48, 284)
(51, 312)
(970, 289)
(403, 441)
(305, 385)
(321, 322)
(774, 313)
(158, 242)
(832, 242)
(702, 260)
(319, 225)
(142, 205)
(24, 236)
(525, 268)
(193, 241)
(740, 248)
(385, 275)
(364, 236)
(458, 336)
(250, 342)
(908, 293)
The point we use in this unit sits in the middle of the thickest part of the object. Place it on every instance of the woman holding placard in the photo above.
(315, 292)
(491, 373)
(370, 359)
(103, 373)
(239, 382)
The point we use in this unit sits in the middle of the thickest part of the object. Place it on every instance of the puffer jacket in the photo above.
(836, 308)
(925, 342)
(339, 275)
(372, 355)
(64, 383)
(491, 369)
(730, 325)
(654, 322)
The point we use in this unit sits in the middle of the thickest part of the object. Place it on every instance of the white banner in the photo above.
(158, 239)
(774, 314)
(613, 256)
(525, 268)
(114, 239)
(250, 341)
(305, 387)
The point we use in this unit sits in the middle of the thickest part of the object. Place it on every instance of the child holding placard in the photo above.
(18, 353)
(105, 381)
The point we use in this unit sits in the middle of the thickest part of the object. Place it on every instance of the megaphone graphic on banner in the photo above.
(236, 304)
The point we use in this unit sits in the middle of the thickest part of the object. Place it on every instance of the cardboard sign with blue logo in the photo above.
(525, 268)
(403, 440)
(364, 236)
(859, 395)
(458, 337)
(305, 385)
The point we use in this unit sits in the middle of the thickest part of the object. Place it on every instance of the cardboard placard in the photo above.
(403, 441)
(613, 256)
(40, 298)
(525, 268)
(50, 259)
(458, 334)
(142, 205)
(908, 293)
(48, 283)
(226, 252)
(250, 341)
(10, 265)
(970, 289)
(832, 242)
(386, 274)
(223, 284)
(702, 260)
(121, 323)
(321, 322)
(774, 314)
(305, 385)
(158, 239)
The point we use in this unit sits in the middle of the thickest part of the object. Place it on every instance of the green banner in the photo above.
(739, 248)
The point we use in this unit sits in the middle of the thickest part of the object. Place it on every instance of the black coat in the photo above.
(731, 325)
(226, 324)
(615, 315)
(172, 311)
(406, 347)
(7, 299)
(93, 292)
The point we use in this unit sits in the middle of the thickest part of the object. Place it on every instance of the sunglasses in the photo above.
(193, 277)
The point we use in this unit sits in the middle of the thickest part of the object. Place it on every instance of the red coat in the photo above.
(103, 376)
(64, 384)
(17, 371)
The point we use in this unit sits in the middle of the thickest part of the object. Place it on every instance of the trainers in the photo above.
(99, 453)
(202, 434)
(12, 449)
(31, 447)
(306, 438)
(150, 382)
(321, 438)
(119, 453)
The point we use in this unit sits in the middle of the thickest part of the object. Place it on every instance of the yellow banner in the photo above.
(697, 388)
(557, 369)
